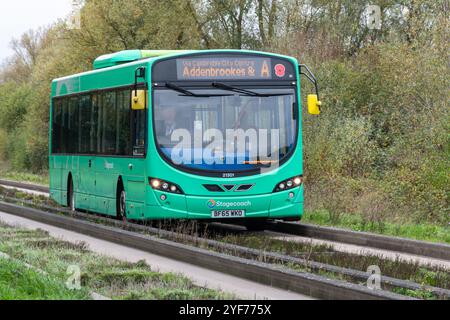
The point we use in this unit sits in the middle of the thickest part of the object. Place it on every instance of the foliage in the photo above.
(18, 282)
(3, 141)
(9, 174)
(383, 137)
(423, 231)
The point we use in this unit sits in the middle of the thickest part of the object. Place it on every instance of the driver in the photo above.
(169, 122)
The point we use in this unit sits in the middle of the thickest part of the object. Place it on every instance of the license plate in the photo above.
(228, 213)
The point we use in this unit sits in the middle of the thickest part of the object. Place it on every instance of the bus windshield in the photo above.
(223, 129)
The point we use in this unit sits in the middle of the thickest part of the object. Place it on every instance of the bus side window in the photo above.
(109, 123)
(98, 124)
(56, 126)
(86, 145)
(64, 126)
(73, 127)
(124, 138)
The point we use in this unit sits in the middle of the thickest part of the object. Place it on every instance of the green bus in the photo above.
(210, 135)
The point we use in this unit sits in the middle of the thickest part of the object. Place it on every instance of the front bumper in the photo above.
(286, 204)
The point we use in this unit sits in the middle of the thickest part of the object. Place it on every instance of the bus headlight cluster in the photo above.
(288, 184)
(165, 186)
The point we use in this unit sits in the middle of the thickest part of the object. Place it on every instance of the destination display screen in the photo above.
(223, 67)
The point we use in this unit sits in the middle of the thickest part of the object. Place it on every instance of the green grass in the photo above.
(18, 282)
(422, 231)
(419, 294)
(7, 174)
(105, 275)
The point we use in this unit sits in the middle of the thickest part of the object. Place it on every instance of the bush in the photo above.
(15, 100)
(17, 150)
(3, 144)
(381, 147)
(336, 147)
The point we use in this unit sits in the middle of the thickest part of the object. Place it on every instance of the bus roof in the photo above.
(121, 57)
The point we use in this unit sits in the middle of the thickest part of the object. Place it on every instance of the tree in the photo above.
(26, 50)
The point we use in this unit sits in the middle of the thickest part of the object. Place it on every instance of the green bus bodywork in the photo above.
(96, 178)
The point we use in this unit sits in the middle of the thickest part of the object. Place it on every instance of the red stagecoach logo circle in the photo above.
(280, 70)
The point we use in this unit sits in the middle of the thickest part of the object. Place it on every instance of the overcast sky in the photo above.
(18, 16)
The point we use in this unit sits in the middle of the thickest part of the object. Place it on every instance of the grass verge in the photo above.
(17, 282)
(105, 275)
(422, 231)
(41, 179)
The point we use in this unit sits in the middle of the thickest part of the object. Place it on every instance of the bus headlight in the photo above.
(155, 183)
(165, 186)
(289, 184)
(298, 181)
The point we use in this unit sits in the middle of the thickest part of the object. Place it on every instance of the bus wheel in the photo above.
(122, 204)
(255, 225)
(70, 197)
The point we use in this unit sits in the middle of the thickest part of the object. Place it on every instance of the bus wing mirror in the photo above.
(314, 104)
(138, 100)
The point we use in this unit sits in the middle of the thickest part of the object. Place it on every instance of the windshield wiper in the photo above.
(246, 92)
(192, 94)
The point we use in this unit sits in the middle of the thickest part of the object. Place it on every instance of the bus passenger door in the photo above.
(86, 199)
(87, 148)
(136, 171)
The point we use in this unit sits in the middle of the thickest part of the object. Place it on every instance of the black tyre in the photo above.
(70, 196)
(121, 203)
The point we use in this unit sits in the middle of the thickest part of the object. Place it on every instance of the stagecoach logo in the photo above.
(212, 204)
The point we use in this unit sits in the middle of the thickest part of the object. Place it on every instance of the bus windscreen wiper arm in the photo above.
(192, 94)
(224, 86)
